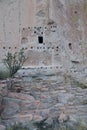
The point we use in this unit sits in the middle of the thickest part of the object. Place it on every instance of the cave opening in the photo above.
(40, 39)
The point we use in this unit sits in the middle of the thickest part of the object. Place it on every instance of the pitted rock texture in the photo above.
(61, 24)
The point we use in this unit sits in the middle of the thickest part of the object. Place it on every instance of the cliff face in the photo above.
(53, 36)
(62, 26)
(72, 16)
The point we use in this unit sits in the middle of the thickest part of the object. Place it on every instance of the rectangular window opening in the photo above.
(40, 39)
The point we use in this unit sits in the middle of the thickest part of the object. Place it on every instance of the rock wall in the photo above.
(49, 97)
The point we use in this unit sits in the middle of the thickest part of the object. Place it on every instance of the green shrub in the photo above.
(82, 126)
(19, 127)
(14, 61)
(84, 102)
(4, 75)
(79, 84)
(42, 125)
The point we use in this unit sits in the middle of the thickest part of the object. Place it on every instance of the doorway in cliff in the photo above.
(40, 39)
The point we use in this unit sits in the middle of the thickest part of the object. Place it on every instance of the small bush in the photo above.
(79, 84)
(82, 126)
(4, 75)
(14, 61)
(61, 126)
(84, 102)
(18, 127)
(54, 126)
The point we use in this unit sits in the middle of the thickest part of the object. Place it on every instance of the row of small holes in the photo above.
(40, 27)
(42, 47)
(9, 47)
(45, 67)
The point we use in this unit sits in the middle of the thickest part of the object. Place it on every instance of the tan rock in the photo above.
(63, 117)
(37, 117)
(20, 96)
(24, 116)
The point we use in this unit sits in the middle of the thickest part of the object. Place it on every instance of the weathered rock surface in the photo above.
(62, 26)
(46, 99)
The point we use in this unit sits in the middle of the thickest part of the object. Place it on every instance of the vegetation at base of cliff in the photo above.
(54, 126)
(21, 127)
(84, 102)
(4, 75)
(18, 128)
(81, 126)
(79, 84)
(14, 61)
(62, 126)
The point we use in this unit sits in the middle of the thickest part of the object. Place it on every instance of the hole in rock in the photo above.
(40, 39)
(70, 46)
